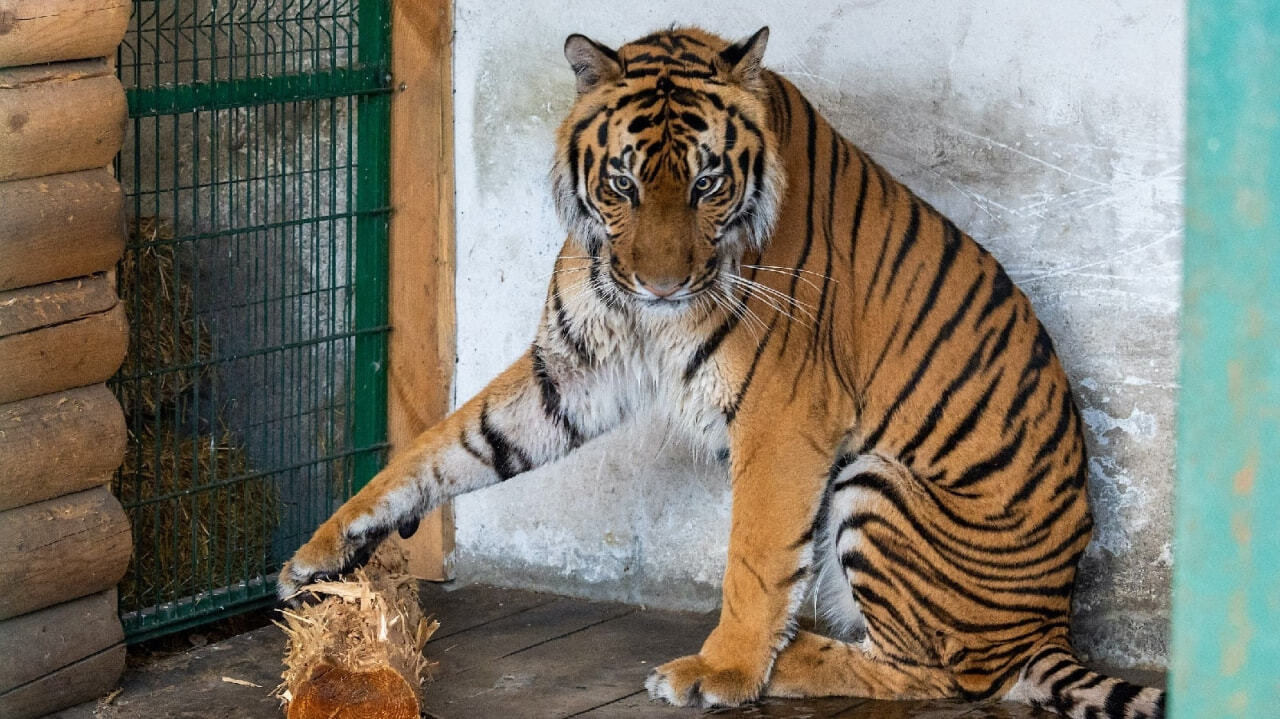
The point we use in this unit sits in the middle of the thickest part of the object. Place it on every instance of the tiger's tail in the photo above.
(1055, 680)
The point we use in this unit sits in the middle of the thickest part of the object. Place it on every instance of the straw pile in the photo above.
(165, 333)
(357, 653)
(192, 538)
(192, 541)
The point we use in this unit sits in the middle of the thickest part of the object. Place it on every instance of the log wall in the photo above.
(64, 539)
(68, 225)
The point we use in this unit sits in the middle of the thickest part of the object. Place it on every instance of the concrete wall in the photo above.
(1051, 132)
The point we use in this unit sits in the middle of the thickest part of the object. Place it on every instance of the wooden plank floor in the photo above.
(501, 653)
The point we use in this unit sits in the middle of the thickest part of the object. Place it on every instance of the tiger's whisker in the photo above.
(790, 270)
(794, 273)
(762, 290)
(754, 290)
(563, 270)
(738, 310)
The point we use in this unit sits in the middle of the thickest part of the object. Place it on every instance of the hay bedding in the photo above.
(357, 652)
(164, 332)
(203, 537)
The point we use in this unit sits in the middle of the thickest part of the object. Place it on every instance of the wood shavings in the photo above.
(361, 642)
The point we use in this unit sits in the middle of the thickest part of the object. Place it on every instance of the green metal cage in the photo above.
(255, 280)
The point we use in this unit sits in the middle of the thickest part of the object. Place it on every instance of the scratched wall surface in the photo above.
(1052, 133)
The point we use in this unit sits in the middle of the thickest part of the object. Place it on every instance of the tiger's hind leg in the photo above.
(815, 666)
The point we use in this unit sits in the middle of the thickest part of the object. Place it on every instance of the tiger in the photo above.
(900, 437)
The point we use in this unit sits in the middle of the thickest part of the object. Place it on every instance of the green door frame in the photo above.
(1226, 611)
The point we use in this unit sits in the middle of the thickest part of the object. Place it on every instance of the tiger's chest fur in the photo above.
(624, 364)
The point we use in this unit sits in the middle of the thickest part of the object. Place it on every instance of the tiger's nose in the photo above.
(661, 289)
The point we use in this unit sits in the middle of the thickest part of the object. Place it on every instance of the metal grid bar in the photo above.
(249, 92)
(255, 281)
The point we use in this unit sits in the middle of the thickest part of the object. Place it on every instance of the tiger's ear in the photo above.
(744, 58)
(592, 62)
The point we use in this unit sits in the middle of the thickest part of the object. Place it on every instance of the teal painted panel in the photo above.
(1226, 613)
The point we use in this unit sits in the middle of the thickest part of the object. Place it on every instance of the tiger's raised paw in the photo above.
(692, 682)
(330, 554)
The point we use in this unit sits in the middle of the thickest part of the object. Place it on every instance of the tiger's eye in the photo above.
(703, 184)
(622, 183)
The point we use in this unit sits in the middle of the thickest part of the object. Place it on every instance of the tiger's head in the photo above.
(666, 167)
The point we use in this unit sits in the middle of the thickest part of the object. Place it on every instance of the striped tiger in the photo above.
(899, 434)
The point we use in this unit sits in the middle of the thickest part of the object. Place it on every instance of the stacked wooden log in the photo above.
(64, 540)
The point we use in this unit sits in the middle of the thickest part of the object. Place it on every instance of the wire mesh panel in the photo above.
(255, 284)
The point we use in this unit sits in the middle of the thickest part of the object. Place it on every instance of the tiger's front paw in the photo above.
(330, 553)
(692, 682)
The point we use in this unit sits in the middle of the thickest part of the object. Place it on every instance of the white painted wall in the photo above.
(1051, 132)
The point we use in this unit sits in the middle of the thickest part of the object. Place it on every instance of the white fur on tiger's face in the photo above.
(896, 425)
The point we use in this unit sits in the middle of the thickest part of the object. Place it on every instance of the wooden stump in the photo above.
(357, 652)
(334, 692)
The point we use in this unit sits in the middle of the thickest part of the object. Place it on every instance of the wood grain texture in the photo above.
(335, 692)
(60, 226)
(46, 640)
(421, 345)
(13, 78)
(83, 681)
(30, 308)
(59, 443)
(39, 31)
(53, 121)
(60, 549)
(79, 352)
